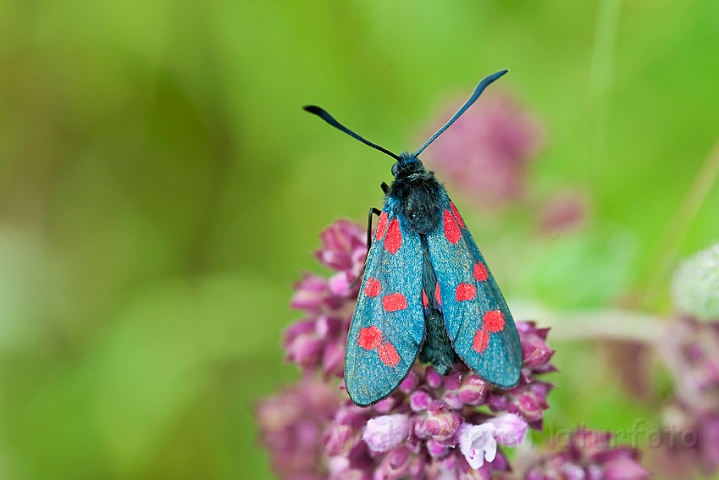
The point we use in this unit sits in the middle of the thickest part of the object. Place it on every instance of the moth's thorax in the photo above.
(415, 193)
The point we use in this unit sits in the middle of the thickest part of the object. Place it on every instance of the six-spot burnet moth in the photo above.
(426, 289)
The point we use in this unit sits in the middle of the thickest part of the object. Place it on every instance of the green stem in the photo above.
(679, 226)
(607, 324)
(600, 81)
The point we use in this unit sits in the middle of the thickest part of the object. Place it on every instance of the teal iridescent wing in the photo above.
(387, 328)
(476, 316)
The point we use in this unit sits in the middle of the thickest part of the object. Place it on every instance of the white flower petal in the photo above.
(491, 451)
(477, 443)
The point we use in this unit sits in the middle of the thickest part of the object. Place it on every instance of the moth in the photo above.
(426, 292)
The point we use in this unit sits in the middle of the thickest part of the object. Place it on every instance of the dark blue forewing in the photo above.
(387, 327)
(476, 316)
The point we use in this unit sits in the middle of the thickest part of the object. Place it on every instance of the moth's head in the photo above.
(407, 164)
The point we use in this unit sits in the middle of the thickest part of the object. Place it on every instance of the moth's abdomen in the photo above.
(437, 348)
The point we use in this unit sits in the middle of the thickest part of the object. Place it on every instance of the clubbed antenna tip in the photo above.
(475, 95)
(322, 113)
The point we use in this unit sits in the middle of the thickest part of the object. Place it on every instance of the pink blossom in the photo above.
(430, 427)
(563, 212)
(510, 429)
(385, 432)
(590, 455)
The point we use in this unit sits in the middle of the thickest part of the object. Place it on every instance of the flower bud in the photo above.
(386, 432)
(510, 429)
(695, 286)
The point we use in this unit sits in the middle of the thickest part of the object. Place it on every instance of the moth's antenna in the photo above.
(320, 112)
(477, 92)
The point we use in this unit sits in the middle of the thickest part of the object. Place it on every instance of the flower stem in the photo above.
(679, 226)
(612, 324)
(600, 80)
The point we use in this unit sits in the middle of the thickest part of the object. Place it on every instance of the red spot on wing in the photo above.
(451, 230)
(480, 272)
(394, 302)
(394, 237)
(369, 338)
(388, 354)
(481, 340)
(372, 287)
(457, 215)
(437, 296)
(425, 302)
(381, 226)
(465, 291)
(494, 321)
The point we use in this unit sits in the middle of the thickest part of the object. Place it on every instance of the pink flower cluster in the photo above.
(591, 456)
(293, 423)
(691, 351)
(430, 427)
(318, 341)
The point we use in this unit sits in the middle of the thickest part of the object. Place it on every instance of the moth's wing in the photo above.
(387, 328)
(476, 316)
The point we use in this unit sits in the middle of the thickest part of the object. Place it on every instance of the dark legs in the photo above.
(372, 211)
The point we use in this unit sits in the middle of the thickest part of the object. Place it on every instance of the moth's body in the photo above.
(426, 292)
(416, 193)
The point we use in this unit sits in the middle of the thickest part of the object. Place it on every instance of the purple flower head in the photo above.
(707, 444)
(529, 398)
(317, 343)
(690, 349)
(431, 423)
(431, 426)
(291, 427)
(589, 456)
(535, 351)
(485, 153)
(311, 294)
(344, 247)
(562, 213)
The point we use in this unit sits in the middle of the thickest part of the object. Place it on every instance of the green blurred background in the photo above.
(161, 189)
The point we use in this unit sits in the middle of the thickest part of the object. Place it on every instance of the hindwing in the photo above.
(476, 316)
